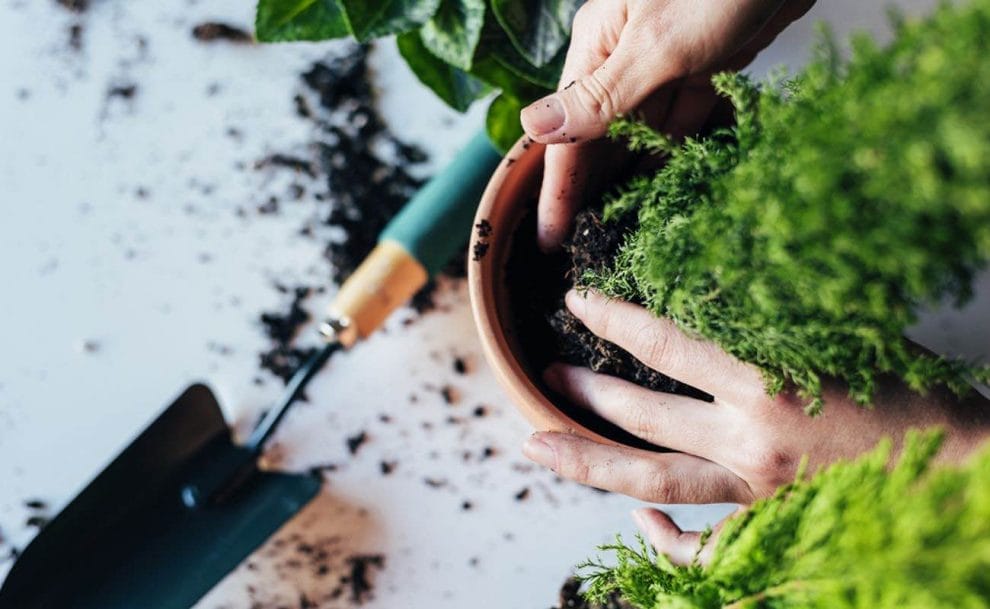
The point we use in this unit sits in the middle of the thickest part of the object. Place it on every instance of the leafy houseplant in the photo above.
(804, 239)
(461, 49)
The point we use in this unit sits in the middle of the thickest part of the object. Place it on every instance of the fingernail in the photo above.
(539, 451)
(546, 238)
(639, 517)
(551, 376)
(543, 116)
(576, 303)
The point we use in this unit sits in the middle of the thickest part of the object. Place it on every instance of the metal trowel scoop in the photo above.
(183, 505)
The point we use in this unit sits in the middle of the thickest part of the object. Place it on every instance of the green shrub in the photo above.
(805, 239)
(856, 535)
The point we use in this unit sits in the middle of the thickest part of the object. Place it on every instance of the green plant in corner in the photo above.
(860, 534)
(463, 50)
(805, 238)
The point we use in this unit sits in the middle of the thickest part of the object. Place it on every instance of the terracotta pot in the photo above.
(507, 199)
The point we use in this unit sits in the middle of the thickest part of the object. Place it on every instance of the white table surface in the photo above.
(85, 260)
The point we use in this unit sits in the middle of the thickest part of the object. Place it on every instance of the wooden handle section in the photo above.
(386, 280)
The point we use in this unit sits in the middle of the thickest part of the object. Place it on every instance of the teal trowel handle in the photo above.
(416, 244)
(434, 225)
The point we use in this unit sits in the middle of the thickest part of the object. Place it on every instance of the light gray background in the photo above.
(70, 164)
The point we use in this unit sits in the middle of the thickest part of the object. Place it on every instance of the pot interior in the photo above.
(523, 276)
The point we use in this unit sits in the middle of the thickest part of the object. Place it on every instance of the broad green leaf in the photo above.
(538, 29)
(502, 122)
(490, 70)
(547, 76)
(289, 20)
(452, 33)
(454, 86)
(495, 43)
(369, 19)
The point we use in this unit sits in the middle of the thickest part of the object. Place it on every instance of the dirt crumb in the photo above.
(76, 6)
(213, 31)
(570, 597)
(282, 358)
(355, 442)
(360, 583)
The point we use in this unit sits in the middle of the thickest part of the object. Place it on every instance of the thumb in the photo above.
(583, 109)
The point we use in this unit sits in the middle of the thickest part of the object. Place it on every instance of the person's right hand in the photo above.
(653, 58)
(737, 448)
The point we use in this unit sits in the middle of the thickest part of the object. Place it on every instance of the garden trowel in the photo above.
(183, 505)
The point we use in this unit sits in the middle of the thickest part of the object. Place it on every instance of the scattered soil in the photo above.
(361, 566)
(122, 91)
(38, 514)
(213, 31)
(288, 161)
(282, 358)
(336, 578)
(76, 36)
(369, 175)
(571, 598)
(355, 442)
(435, 482)
(547, 332)
(76, 6)
(450, 395)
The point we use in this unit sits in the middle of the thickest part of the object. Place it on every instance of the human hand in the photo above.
(654, 58)
(735, 449)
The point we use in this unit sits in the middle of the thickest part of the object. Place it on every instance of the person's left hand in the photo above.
(735, 449)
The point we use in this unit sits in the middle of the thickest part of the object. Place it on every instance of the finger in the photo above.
(661, 345)
(570, 175)
(672, 421)
(573, 173)
(692, 105)
(681, 547)
(561, 193)
(788, 13)
(654, 477)
(583, 109)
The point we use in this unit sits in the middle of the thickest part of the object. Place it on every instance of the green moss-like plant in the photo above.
(857, 535)
(804, 239)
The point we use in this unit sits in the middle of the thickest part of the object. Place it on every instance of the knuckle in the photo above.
(583, 17)
(597, 96)
(661, 34)
(662, 488)
(641, 422)
(654, 29)
(602, 320)
(655, 348)
(771, 466)
(572, 464)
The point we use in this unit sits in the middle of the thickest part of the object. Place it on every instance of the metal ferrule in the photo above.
(339, 330)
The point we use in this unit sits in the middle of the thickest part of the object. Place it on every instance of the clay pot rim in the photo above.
(511, 186)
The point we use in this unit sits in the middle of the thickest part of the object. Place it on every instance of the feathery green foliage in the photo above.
(858, 534)
(804, 239)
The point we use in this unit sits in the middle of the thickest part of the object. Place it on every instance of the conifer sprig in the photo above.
(859, 534)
